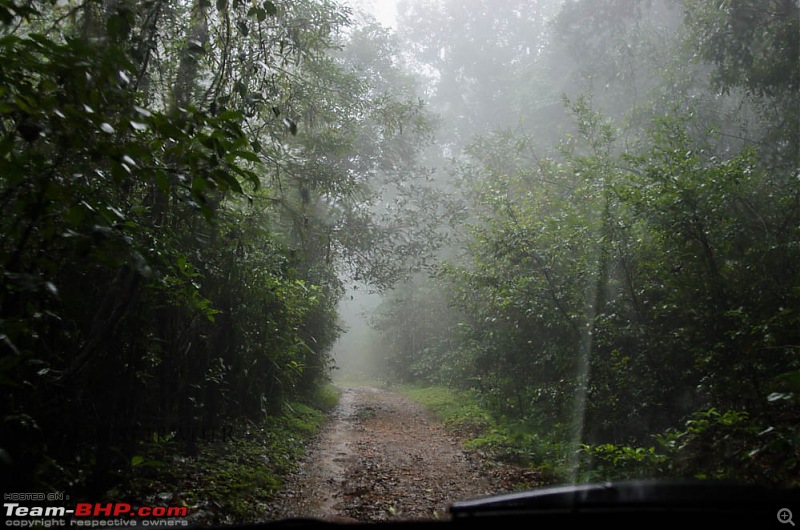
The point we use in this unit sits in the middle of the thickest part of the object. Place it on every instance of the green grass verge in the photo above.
(460, 411)
(231, 480)
(326, 397)
(499, 439)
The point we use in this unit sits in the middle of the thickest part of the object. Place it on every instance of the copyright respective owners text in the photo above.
(94, 523)
(49, 510)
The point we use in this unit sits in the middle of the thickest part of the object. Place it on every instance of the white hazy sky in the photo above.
(384, 10)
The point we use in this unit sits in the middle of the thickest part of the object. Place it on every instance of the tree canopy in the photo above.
(585, 213)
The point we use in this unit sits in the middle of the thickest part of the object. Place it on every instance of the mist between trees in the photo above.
(619, 285)
(585, 213)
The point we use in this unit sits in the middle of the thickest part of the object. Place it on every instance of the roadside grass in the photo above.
(500, 439)
(231, 480)
(326, 397)
(459, 411)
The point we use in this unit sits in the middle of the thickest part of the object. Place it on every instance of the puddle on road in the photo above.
(317, 488)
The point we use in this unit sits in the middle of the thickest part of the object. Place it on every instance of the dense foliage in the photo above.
(595, 235)
(628, 275)
(180, 182)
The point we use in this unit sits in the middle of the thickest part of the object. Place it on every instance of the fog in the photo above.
(547, 266)
(571, 227)
(354, 353)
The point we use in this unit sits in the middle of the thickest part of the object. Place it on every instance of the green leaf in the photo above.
(790, 380)
(6, 15)
(270, 8)
(136, 460)
(162, 181)
(6, 146)
(222, 5)
(252, 177)
(230, 115)
(247, 155)
(26, 103)
(258, 13)
(118, 27)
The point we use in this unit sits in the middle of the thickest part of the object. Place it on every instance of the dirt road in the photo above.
(382, 457)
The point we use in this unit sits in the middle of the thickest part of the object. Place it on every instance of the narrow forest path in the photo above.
(382, 457)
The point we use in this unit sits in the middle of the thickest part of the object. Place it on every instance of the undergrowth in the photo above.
(499, 439)
(710, 444)
(231, 479)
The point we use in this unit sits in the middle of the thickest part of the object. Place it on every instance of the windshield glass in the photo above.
(359, 261)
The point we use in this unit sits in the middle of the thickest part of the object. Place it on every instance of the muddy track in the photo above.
(383, 457)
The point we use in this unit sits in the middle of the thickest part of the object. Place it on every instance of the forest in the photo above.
(582, 215)
(620, 287)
